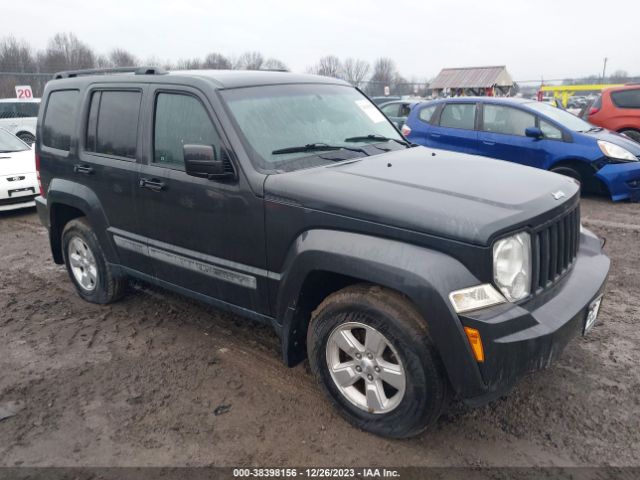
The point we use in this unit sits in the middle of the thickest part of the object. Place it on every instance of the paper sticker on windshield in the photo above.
(372, 112)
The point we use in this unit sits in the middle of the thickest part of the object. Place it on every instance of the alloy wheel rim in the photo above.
(83, 264)
(365, 367)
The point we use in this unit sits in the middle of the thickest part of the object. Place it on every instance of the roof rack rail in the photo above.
(106, 71)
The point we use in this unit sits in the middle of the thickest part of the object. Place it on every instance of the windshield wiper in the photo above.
(315, 147)
(379, 138)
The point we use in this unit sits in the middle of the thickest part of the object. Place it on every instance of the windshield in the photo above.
(282, 117)
(11, 143)
(563, 117)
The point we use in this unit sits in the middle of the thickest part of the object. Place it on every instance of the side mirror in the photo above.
(202, 161)
(533, 132)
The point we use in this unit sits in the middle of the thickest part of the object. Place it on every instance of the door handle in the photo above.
(85, 169)
(152, 184)
(486, 142)
(435, 135)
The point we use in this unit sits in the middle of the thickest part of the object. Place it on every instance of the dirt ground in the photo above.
(160, 380)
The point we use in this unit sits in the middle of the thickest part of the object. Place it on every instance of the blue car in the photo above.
(530, 133)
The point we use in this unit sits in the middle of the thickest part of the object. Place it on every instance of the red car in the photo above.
(617, 109)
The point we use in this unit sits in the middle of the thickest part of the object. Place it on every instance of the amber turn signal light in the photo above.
(475, 341)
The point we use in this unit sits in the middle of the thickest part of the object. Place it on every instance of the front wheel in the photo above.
(371, 353)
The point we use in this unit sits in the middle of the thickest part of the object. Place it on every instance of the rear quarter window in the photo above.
(59, 120)
(426, 113)
(626, 98)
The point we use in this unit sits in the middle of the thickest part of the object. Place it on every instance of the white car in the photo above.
(18, 178)
(19, 117)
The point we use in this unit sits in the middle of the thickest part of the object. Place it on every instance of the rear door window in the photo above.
(459, 115)
(112, 126)
(426, 113)
(626, 98)
(506, 120)
(405, 110)
(60, 119)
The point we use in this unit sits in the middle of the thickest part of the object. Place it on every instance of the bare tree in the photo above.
(274, 64)
(384, 75)
(249, 61)
(189, 64)
(216, 61)
(154, 61)
(16, 57)
(102, 61)
(328, 66)
(119, 57)
(384, 71)
(619, 76)
(355, 71)
(66, 52)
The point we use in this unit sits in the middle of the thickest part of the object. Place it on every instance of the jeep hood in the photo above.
(437, 192)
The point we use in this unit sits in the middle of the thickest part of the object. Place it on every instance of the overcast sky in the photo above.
(550, 38)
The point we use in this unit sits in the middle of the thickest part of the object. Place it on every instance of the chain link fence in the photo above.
(9, 80)
(377, 89)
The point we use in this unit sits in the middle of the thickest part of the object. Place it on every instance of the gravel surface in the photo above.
(157, 379)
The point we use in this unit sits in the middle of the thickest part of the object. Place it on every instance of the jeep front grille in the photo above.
(555, 247)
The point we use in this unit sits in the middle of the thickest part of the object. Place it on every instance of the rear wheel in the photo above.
(87, 265)
(632, 134)
(371, 353)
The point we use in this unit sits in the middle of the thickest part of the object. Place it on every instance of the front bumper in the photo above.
(622, 180)
(18, 191)
(519, 339)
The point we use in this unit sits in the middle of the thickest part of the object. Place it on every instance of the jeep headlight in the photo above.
(512, 266)
(612, 150)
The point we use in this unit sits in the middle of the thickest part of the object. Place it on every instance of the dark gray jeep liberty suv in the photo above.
(403, 274)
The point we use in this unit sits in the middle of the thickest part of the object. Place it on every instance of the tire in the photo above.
(408, 348)
(26, 137)
(87, 266)
(568, 172)
(632, 134)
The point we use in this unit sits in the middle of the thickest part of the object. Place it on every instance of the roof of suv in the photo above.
(220, 79)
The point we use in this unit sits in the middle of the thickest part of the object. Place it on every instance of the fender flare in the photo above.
(80, 197)
(425, 276)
